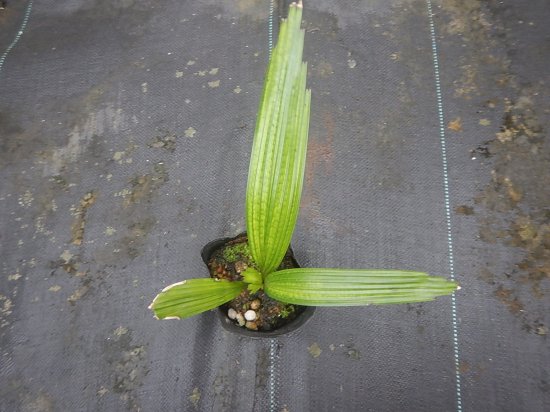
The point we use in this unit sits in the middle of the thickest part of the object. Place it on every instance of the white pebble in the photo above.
(250, 315)
(231, 313)
(240, 319)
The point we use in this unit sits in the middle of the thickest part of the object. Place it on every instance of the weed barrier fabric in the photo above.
(126, 129)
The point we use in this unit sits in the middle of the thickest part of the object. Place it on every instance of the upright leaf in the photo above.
(351, 287)
(277, 163)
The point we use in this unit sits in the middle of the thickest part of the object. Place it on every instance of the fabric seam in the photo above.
(18, 35)
(447, 197)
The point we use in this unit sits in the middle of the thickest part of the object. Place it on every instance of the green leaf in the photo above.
(254, 279)
(277, 163)
(252, 276)
(351, 287)
(193, 296)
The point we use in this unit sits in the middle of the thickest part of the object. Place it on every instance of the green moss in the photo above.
(286, 311)
(237, 251)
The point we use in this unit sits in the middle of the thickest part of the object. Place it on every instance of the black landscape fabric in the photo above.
(126, 129)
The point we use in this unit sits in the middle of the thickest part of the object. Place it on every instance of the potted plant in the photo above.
(254, 276)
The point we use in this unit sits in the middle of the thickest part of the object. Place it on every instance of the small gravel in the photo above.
(232, 313)
(240, 319)
(252, 325)
(250, 315)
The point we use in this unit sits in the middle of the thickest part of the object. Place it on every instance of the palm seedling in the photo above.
(273, 194)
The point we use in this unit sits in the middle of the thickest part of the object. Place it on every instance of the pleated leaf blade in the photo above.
(191, 297)
(277, 163)
(352, 287)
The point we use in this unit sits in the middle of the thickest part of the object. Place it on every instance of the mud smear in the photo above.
(262, 369)
(470, 21)
(17, 396)
(67, 262)
(6, 309)
(513, 209)
(39, 403)
(80, 120)
(348, 349)
(70, 264)
(143, 187)
(79, 293)
(518, 204)
(136, 215)
(464, 210)
(314, 350)
(79, 223)
(222, 389)
(128, 366)
(83, 138)
(83, 120)
(351, 352)
(9, 16)
(195, 398)
(132, 244)
(164, 140)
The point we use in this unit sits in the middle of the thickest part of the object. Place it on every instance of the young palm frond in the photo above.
(352, 287)
(277, 163)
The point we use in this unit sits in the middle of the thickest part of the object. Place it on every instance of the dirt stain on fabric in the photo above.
(314, 350)
(222, 389)
(516, 206)
(164, 140)
(78, 294)
(79, 222)
(128, 366)
(6, 309)
(82, 135)
(135, 218)
(468, 19)
(40, 403)
(143, 187)
(195, 397)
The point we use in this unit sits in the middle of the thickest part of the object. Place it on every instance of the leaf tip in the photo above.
(151, 306)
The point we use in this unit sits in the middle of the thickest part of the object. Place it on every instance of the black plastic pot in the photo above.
(306, 311)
